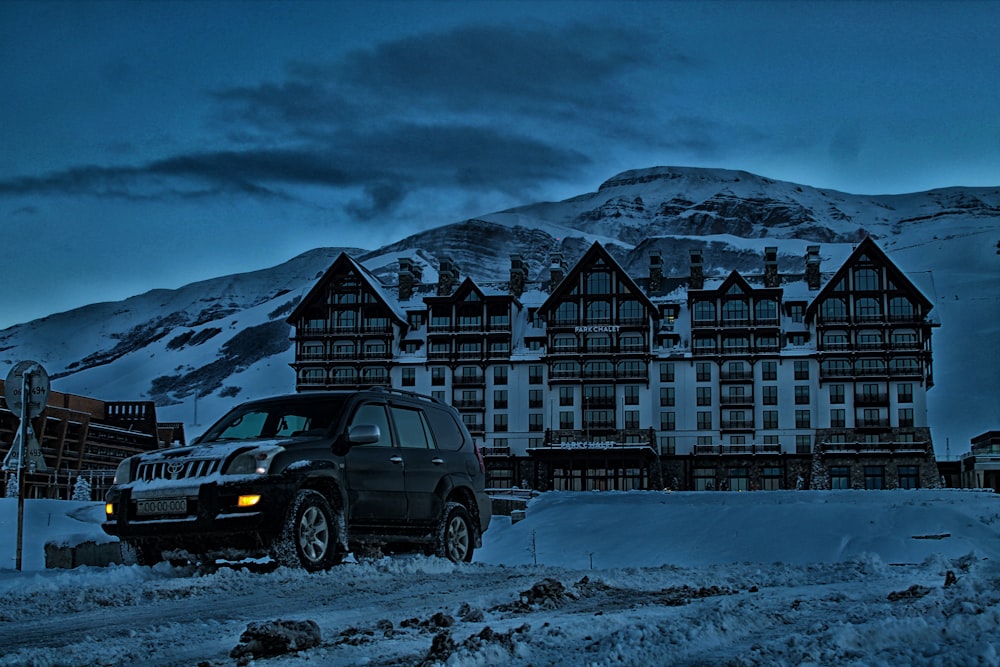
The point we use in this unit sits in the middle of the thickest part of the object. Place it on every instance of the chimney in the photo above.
(447, 276)
(771, 278)
(557, 270)
(405, 278)
(517, 275)
(655, 270)
(697, 280)
(812, 267)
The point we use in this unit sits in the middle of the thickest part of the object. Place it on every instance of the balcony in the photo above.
(871, 399)
(736, 399)
(872, 423)
(469, 404)
(495, 451)
(737, 425)
(469, 380)
(736, 450)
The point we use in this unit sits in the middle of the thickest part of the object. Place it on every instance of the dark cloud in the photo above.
(484, 108)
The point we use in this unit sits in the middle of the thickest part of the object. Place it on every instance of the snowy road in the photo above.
(389, 612)
(720, 579)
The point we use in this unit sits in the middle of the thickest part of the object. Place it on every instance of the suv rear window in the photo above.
(446, 430)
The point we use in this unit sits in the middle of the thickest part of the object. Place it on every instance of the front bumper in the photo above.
(211, 517)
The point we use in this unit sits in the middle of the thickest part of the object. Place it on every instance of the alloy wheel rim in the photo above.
(314, 534)
(458, 539)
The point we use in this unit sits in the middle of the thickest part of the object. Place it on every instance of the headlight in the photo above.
(253, 462)
(123, 475)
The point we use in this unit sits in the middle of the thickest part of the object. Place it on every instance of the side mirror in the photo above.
(364, 434)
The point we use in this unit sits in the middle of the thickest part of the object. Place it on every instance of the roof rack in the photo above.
(404, 392)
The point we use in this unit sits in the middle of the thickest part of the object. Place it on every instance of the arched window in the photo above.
(344, 376)
(598, 369)
(599, 282)
(704, 311)
(900, 308)
(905, 340)
(834, 310)
(347, 320)
(312, 376)
(568, 312)
(629, 311)
(598, 312)
(766, 311)
(868, 310)
(631, 342)
(312, 350)
(835, 340)
(735, 310)
(565, 343)
(598, 342)
(866, 279)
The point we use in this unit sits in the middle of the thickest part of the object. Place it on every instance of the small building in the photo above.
(981, 464)
(83, 436)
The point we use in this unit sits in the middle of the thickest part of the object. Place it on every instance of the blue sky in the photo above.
(153, 144)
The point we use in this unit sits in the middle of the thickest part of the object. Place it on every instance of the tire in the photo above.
(146, 554)
(456, 536)
(310, 535)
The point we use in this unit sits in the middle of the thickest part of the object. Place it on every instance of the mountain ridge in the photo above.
(223, 339)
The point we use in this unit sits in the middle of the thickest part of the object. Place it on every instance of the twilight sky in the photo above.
(154, 144)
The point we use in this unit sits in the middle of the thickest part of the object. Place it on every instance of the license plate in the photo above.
(161, 506)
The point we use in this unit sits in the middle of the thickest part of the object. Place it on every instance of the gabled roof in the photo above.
(342, 265)
(868, 248)
(735, 280)
(594, 253)
(467, 287)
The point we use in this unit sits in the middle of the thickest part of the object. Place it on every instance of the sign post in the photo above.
(27, 392)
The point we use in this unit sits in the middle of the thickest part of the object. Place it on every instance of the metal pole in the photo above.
(23, 428)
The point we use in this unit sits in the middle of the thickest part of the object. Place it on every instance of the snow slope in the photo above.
(777, 578)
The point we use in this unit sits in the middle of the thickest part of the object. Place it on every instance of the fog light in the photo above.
(248, 501)
(109, 508)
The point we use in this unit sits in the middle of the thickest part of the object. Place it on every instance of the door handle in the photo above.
(437, 460)
(396, 459)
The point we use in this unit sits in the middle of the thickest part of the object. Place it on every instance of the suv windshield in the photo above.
(280, 419)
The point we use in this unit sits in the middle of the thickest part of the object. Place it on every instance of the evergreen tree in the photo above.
(819, 479)
(81, 490)
(12, 488)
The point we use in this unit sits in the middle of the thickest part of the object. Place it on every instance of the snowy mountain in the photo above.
(225, 339)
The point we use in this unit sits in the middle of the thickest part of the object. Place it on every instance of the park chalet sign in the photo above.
(606, 328)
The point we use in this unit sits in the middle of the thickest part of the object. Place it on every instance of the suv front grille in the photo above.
(182, 469)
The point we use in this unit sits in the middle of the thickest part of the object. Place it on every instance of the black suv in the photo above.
(306, 478)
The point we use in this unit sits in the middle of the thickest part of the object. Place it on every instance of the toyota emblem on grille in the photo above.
(175, 469)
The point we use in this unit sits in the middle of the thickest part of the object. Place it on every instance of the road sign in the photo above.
(37, 388)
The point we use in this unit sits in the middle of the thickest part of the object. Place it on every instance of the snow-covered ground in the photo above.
(640, 578)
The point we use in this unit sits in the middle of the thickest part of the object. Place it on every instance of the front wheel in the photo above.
(309, 537)
(455, 537)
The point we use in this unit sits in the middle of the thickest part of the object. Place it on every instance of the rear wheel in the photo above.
(310, 537)
(456, 536)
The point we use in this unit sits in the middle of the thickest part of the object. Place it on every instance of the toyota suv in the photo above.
(307, 478)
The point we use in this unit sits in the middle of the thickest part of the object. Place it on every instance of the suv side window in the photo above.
(374, 413)
(411, 428)
(446, 430)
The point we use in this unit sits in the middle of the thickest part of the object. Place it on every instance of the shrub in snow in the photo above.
(82, 491)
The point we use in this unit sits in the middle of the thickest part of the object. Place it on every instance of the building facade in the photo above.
(591, 378)
(83, 436)
(981, 464)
